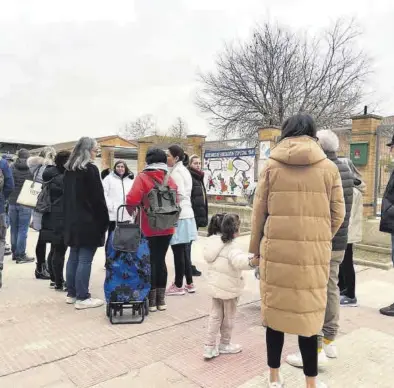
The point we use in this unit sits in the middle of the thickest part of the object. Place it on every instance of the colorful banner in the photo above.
(229, 172)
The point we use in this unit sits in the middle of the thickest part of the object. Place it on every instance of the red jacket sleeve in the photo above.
(136, 194)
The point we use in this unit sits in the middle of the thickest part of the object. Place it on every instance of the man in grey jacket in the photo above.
(330, 144)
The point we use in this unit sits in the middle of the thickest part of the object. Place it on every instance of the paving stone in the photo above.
(366, 360)
(375, 293)
(157, 375)
(46, 376)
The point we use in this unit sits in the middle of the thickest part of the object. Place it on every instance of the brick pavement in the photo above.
(46, 343)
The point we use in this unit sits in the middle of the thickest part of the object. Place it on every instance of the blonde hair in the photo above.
(48, 154)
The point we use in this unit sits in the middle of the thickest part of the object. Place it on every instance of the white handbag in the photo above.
(29, 194)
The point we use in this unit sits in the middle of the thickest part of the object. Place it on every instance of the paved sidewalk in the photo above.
(46, 343)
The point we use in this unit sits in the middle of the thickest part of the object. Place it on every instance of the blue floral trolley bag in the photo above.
(127, 282)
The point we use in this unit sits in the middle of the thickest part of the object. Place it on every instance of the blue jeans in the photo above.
(78, 270)
(20, 217)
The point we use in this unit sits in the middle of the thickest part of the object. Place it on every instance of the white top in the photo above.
(181, 175)
(115, 191)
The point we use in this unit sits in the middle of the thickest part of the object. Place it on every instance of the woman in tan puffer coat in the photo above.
(298, 208)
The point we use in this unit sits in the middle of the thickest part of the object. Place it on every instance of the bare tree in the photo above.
(141, 127)
(278, 73)
(179, 129)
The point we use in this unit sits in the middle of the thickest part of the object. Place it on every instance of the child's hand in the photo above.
(255, 261)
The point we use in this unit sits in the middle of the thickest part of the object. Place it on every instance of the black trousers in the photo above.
(183, 265)
(158, 246)
(56, 258)
(111, 228)
(347, 274)
(41, 251)
(308, 347)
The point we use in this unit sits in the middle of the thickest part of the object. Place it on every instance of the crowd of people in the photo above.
(307, 214)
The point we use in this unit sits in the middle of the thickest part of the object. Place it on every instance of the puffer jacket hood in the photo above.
(225, 265)
(35, 162)
(298, 151)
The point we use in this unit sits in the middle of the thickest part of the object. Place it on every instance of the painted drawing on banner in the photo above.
(229, 172)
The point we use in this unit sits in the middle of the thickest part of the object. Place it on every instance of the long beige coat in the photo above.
(298, 208)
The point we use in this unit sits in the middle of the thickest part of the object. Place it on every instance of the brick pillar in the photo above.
(267, 134)
(107, 157)
(143, 147)
(196, 143)
(364, 130)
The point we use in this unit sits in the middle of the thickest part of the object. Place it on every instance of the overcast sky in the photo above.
(85, 67)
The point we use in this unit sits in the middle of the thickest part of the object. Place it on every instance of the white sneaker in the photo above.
(296, 359)
(70, 300)
(230, 348)
(88, 304)
(330, 350)
(277, 384)
(210, 352)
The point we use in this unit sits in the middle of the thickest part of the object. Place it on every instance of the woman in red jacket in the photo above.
(159, 240)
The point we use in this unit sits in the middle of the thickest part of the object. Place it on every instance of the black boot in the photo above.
(42, 273)
(195, 271)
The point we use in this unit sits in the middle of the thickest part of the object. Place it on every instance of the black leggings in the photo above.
(347, 275)
(183, 265)
(158, 247)
(308, 348)
(41, 250)
(58, 252)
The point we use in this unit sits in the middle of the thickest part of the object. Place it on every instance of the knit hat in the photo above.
(23, 153)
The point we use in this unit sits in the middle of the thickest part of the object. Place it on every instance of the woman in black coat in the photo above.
(86, 220)
(52, 228)
(199, 198)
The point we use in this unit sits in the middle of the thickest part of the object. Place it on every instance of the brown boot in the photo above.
(152, 301)
(161, 299)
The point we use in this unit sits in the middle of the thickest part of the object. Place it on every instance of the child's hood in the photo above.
(213, 246)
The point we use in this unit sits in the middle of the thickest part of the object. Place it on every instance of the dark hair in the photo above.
(105, 173)
(186, 160)
(230, 227)
(215, 225)
(299, 125)
(155, 155)
(126, 168)
(177, 152)
(61, 158)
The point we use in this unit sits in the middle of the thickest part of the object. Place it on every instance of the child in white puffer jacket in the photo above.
(226, 261)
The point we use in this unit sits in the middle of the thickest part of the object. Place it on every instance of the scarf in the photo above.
(156, 166)
(199, 174)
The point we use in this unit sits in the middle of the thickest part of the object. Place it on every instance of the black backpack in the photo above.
(163, 212)
(44, 199)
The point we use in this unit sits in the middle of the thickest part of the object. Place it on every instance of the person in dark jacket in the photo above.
(199, 198)
(53, 221)
(85, 221)
(19, 215)
(387, 221)
(6, 190)
(330, 143)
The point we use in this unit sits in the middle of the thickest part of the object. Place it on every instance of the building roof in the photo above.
(71, 144)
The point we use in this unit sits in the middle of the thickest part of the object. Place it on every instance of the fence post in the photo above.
(269, 136)
(364, 129)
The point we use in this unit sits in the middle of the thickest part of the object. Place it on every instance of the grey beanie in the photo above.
(23, 153)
